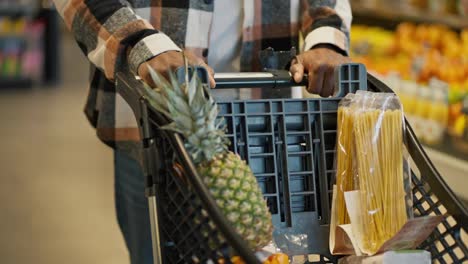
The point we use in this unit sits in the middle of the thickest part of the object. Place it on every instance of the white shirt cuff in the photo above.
(326, 35)
(148, 48)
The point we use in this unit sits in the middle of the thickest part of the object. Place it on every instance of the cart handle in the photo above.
(228, 80)
(271, 79)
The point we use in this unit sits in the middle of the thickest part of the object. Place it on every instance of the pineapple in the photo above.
(230, 180)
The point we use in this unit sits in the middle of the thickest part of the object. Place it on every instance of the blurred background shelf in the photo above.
(17, 10)
(29, 44)
(389, 15)
(454, 148)
(14, 83)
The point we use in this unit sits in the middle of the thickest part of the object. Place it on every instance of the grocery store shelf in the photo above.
(10, 83)
(448, 148)
(390, 16)
(447, 158)
(17, 11)
(19, 39)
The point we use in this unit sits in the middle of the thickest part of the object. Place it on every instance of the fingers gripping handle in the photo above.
(348, 78)
(268, 79)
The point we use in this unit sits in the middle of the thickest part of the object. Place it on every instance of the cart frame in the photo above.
(431, 195)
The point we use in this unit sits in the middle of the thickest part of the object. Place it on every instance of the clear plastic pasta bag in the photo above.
(383, 201)
(344, 158)
(338, 242)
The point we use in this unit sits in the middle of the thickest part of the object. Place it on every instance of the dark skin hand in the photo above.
(170, 61)
(320, 64)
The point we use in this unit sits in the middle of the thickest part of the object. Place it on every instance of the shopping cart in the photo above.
(290, 146)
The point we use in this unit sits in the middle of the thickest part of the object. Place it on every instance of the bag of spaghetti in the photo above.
(381, 203)
(345, 171)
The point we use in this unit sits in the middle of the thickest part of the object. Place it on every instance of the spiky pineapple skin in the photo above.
(229, 179)
(236, 191)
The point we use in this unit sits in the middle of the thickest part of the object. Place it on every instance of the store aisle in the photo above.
(56, 178)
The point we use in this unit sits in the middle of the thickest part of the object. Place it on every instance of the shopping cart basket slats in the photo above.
(290, 145)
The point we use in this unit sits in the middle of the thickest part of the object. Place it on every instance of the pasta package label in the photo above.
(372, 170)
(340, 241)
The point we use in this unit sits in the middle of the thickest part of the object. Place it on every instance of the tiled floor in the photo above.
(56, 178)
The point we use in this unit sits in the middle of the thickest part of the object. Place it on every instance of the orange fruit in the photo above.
(278, 258)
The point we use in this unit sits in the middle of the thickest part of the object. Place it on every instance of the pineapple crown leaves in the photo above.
(193, 113)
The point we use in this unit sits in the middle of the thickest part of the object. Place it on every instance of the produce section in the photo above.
(427, 66)
(389, 14)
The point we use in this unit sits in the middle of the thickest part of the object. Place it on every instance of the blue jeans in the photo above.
(132, 208)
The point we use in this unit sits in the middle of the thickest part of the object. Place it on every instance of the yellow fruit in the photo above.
(422, 32)
(454, 112)
(464, 36)
(459, 126)
(405, 30)
(464, 87)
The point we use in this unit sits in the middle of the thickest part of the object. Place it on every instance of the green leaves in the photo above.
(194, 114)
(192, 89)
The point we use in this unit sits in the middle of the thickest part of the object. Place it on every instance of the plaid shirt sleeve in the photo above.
(103, 27)
(326, 22)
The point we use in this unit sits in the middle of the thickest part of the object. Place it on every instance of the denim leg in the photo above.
(132, 208)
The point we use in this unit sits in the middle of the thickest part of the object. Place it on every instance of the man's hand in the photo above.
(320, 64)
(170, 61)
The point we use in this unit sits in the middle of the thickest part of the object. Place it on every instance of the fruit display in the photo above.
(426, 65)
(460, 128)
(193, 114)
(444, 7)
(416, 52)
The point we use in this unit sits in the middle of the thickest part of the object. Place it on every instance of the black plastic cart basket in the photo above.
(290, 146)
